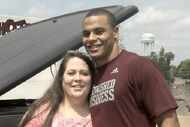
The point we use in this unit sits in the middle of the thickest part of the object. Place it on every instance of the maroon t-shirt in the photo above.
(129, 91)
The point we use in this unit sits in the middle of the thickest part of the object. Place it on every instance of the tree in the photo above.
(154, 57)
(163, 59)
(183, 69)
(169, 57)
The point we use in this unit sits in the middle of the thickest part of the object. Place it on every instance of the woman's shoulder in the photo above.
(43, 109)
(39, 116)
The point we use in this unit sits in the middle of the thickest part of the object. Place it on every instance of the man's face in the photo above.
(99, 37)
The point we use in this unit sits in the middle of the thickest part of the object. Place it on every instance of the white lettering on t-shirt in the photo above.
(103, 92)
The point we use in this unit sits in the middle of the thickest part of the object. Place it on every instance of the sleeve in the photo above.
(39, 117)
(35, 122)
(156, 96)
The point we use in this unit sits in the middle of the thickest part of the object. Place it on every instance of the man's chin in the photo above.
(95, 57)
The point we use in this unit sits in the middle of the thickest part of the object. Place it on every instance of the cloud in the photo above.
(160, 21)
(15, 7)
(181, 24)
(171, 28)
(39, 11)
(152, 15)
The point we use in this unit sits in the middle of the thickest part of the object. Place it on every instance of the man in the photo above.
(129, 90)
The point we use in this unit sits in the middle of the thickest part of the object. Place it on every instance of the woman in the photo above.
(66, 102)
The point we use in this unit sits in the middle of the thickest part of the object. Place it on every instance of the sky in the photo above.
(167, 20)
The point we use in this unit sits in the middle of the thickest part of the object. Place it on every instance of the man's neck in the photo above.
(112, 56)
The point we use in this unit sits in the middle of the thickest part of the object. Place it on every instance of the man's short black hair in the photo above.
(101, 11)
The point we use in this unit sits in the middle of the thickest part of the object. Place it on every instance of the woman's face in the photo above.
(76, 79)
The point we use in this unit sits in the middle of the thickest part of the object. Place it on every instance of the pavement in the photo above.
(184, 121)
(181, 92)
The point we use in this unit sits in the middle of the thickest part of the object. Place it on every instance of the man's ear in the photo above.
(116, 32)
(116, 29)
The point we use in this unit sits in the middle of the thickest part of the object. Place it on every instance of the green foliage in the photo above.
(163, 59)
(183, 70)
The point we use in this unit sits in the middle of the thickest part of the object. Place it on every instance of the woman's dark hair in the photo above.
(55, 95)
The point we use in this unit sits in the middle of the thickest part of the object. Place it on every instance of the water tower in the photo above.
(148, 40)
